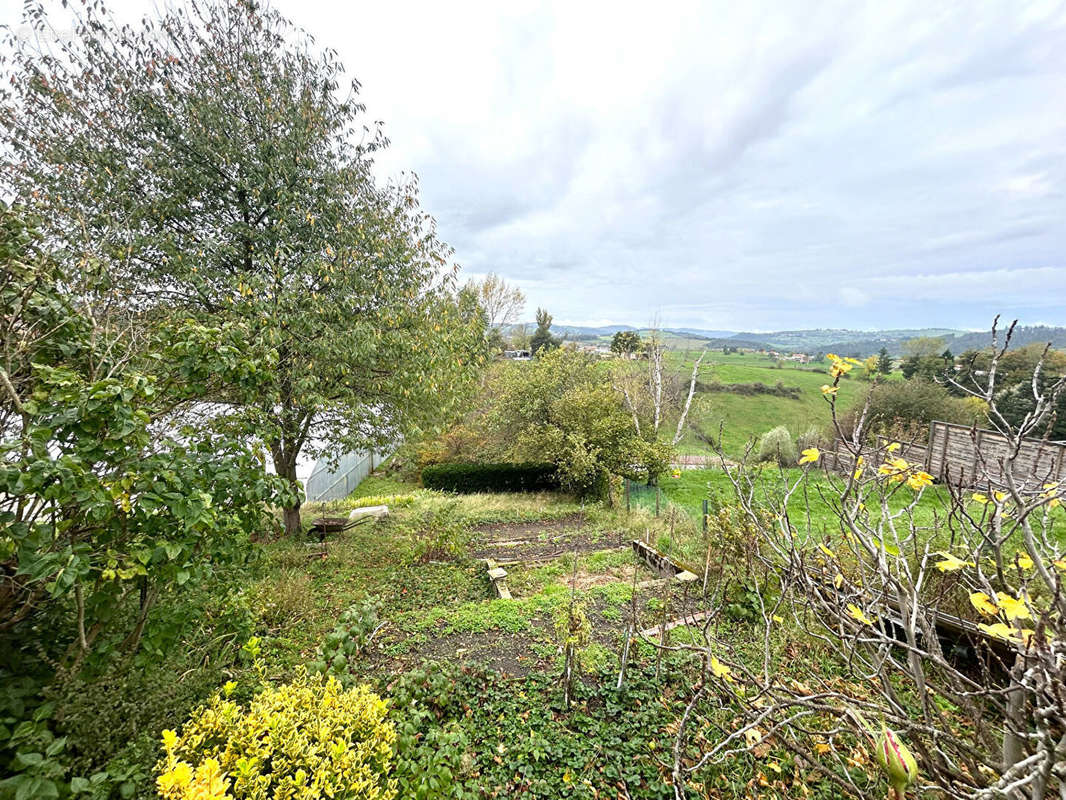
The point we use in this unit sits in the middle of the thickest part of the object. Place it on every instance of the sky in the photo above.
(742, 166)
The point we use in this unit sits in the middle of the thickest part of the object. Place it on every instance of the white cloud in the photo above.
(728, 164)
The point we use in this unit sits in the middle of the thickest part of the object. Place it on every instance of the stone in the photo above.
(497, 573)
(686, 577)
(369, 511)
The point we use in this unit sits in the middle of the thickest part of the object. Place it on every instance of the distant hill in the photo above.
(1035, 334)
(818, 340)
(827, 338)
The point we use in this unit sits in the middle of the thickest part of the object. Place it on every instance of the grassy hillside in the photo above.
(745, 416)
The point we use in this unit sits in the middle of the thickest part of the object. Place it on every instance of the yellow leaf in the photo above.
(919, 480)
(1023, 561)
(1012, 607)
(1003, 631)
(951, 563)
(720, 670)
(838, 581)
(826, 550)
(857, 613)
(983, 603)
(810, 455)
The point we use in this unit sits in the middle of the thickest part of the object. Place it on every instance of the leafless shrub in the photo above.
(941, 610)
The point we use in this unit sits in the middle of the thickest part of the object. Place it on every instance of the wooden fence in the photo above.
(967, 457)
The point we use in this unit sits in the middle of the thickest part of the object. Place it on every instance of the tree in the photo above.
(651, 394)
(519, 338)
(869, 367)
(626, 343)
(102, 508)
(1017, 382)
(905, 408)
(502, 304)
(872, 590)
(542, 338)
(923, 346)
(561, 408)
(208, 162)
(884, 362)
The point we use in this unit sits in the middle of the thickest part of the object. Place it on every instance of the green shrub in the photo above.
(776, 445)
(904, 409)
(469, 478)
(812, 437)
(311, 738)
(348, 639)
(441, 534)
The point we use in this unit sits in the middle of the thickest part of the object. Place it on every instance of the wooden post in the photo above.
(944, 474)
(1058, 465)
(929, 448)
(658, 498)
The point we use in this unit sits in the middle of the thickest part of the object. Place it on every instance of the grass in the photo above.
(744, 417)
(694, 485)
(448, 612)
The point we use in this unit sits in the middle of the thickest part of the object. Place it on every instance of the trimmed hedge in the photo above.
(468, 478)
(754, 388)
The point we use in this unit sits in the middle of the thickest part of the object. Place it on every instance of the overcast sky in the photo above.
(745, 166)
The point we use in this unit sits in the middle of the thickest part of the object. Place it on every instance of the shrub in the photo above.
(904, 409)
(349, 639)
(467, 478)
(441, 534)
(812, 437)
(776, 445)
(751, 389)
(310, 739)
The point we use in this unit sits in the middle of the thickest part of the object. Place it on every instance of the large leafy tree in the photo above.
(626, 343)
(213, 161)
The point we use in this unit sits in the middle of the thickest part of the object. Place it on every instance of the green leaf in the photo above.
(79, 784)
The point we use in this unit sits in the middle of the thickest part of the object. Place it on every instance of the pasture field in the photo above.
(743, 417)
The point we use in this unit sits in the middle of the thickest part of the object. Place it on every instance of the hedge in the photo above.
(467, 478)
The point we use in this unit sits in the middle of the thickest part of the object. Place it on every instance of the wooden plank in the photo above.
(659, 630)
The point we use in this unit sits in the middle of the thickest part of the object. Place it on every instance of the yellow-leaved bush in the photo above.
(303, 740)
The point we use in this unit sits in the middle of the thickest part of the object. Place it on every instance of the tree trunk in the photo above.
(292, 519)
(286, 468)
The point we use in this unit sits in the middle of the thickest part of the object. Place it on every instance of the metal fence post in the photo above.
(706, 511)
(627, 494)
(657, 500)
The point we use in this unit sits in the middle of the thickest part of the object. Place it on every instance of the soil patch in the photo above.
(535, 549)
(504, 531)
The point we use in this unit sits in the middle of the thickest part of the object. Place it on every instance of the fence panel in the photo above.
(336, 483)
(969, 458)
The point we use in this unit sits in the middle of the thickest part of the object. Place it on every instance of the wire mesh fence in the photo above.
(335, 483)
